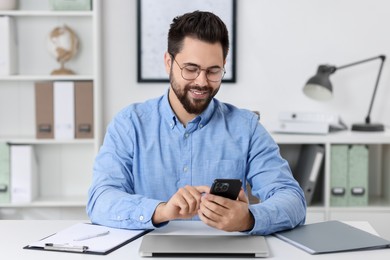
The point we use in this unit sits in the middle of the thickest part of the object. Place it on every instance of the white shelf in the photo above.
(49, 202)
(45, 141)
(45, 77)
(47, 13)
(341, 137)
(64, 166)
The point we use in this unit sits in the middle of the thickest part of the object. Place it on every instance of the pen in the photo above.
(92, 236)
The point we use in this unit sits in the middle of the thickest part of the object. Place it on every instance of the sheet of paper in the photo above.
(70, 235)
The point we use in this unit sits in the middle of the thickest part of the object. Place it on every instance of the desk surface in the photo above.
(15, 234)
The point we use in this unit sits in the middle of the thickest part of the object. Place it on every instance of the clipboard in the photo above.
(87, 238)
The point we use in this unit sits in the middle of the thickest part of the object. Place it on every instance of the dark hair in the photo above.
(204, 26)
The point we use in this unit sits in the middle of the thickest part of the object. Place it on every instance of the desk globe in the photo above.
(63, 44)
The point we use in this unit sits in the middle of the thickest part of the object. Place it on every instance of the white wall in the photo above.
(280, 43)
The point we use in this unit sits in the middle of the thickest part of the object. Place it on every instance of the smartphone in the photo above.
(228, 188)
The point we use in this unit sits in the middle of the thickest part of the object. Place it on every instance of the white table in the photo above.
(15, 234)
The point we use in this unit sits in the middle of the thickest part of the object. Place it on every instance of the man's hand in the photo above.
(226, 214)
(183, 204)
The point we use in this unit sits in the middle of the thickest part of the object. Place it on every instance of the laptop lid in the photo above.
(194, 238)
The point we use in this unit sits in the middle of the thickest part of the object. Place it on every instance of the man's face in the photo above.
(196, 94)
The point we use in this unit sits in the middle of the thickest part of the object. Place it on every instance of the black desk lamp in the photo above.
(319, 87)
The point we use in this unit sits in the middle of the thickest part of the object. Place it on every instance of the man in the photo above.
(159, 157)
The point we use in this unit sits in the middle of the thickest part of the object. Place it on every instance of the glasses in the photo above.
(191, 72)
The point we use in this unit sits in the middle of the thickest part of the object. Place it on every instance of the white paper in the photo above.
(100, 244)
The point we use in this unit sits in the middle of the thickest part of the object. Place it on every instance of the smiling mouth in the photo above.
(199, 94)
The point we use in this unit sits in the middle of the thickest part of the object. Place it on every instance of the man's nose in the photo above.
(201, 80)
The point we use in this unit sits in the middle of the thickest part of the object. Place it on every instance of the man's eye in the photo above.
(214, 71)
(191, 68)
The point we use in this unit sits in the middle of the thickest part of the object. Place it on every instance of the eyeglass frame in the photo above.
(207, 70)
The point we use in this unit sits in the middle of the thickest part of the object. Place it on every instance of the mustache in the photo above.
(209, 89)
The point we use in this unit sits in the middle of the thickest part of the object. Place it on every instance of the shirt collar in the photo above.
(170, 116)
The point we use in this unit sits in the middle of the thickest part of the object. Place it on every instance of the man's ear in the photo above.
(167, 62)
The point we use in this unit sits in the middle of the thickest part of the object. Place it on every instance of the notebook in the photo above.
(195, 239)
(331, 237)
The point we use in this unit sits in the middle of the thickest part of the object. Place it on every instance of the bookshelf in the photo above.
(378, 208)
(65, 166)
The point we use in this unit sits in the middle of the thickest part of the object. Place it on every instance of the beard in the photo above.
(193, 106)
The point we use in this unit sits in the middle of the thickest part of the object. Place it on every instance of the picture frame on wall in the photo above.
(153, 22)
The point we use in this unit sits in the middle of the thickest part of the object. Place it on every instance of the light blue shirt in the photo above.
(147, 155)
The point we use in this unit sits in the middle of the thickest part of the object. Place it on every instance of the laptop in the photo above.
(195, 239)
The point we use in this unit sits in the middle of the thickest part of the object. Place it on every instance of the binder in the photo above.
(358, 175)
(7, 46)
(339, 175)
(64, 115)
(24, 178)
(44, 116)
(330, 237)
(308, 169)
(87, 239)
(84, 109)
(4, 173)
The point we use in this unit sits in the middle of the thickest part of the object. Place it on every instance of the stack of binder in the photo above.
(308, 123)
(64, 109)
(349, 175)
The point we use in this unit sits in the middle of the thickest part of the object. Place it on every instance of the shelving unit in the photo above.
(379, 174)
(65, 167)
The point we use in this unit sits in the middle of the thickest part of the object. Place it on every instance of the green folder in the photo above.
(338, 175)
(358, 175)
(4, 173)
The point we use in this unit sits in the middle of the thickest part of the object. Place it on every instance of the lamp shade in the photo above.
(319, 86)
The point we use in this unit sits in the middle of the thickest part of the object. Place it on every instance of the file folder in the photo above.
(358, 175)
(88, 239)
(24, 175)
(8, 43)
(338, 175)
(64, 116)
(308, 169)
(44, 116)
(4, 173)
(330, 237)
(84, 109)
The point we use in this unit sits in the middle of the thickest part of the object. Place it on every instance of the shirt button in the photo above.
(185, 169)
(118, 217)
(186, 135)
(141, 218)
(200, 126)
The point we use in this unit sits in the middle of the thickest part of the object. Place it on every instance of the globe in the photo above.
(63, 44)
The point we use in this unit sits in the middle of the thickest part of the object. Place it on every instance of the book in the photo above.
(4, 173)
(24, 175)
(44, 116)
(331, 237)
(84, 109)
(308, 169)
(64, 110)
(8, 43)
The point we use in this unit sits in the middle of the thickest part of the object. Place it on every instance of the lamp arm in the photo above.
(382, 58)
